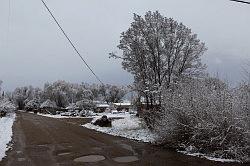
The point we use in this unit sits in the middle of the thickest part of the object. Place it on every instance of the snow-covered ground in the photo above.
(95, 116)
(58, 116)
(129, 126)
(207, 157)
(126, 125)
(6, 124)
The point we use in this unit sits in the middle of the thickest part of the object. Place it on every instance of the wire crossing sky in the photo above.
(241, 1)
(36, 53)
(71, 43)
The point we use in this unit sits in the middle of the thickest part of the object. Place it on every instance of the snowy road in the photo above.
(40, 141)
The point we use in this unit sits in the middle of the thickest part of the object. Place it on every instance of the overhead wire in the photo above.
(246, 2)
(71, 43)
(8, 23)
(74, 47)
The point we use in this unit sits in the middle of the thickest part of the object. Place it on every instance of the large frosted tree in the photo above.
(159, 51)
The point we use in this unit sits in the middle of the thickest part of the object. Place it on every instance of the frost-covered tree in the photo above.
(114, 94)
(57, 92)
(94, 88)
(159, 51)
(2, 94)
(208, 116)
(22, 95)
(64, 93)
(1, 85)
(107, 93)
(247, 71)
(6, 106)
(33, 104)
(85, 104)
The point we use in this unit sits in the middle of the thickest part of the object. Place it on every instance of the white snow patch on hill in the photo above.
(130, 127)
(6, 124)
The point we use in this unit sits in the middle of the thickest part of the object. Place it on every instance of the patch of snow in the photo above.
(111, 115)
(102, 105)
(6, 124)
(208, 157)
(58, 116)
(94, 115)
(130, 127)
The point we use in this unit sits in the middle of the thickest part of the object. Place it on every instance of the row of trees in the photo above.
(63, 93)
(185, 107)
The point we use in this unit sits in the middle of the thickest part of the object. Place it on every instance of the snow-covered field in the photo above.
(6, 124)
(129, 127)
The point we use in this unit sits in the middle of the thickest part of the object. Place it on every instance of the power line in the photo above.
(8, 24)
(241, 1)
(71, 43)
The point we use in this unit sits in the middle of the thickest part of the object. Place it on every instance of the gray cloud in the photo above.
(37, 52)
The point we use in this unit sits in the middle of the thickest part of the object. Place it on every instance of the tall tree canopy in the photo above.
(159, 51)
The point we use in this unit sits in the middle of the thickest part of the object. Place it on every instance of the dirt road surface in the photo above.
(43, 141)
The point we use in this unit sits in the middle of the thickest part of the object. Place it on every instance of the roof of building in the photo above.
(102, 105)
(122, 104)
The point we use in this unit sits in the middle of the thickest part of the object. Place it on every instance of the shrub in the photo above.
(6, 106)
(207, 115)
(32, 105)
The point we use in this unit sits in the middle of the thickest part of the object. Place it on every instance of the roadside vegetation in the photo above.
(6, 106)
(7, 118)
(189, 110)
(185, 108)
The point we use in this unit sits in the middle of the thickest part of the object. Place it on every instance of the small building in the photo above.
(73, 107)
(102, 108)
(123, 106)
(48, 106)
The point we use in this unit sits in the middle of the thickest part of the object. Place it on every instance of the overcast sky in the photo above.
(33, 50)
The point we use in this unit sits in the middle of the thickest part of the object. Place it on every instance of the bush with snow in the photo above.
(6, 106)
(208, 116)
(85, 104)
(48, 104)
(32, 105)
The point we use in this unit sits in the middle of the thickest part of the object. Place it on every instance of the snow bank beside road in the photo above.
(209, 158)
(129, 127)
(94, 116)
(58, 116)
(6, 124)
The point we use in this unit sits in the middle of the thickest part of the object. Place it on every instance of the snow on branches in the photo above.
(158, 51)
(207, 115)
(6, 106)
